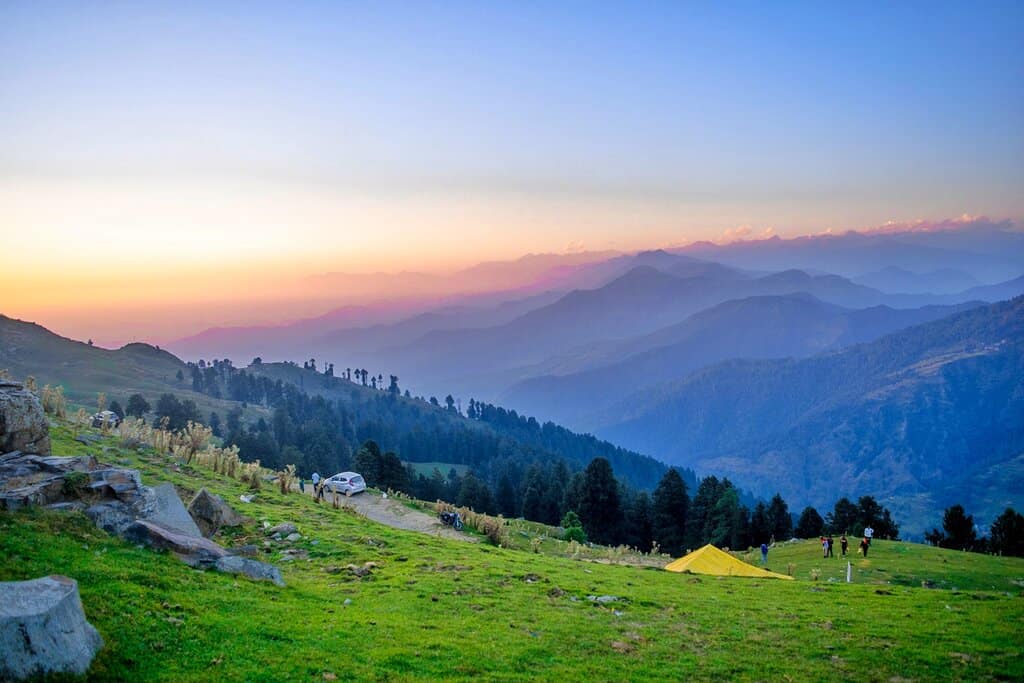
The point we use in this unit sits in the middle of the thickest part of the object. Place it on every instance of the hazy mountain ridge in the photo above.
(911, 417)
(755, 327)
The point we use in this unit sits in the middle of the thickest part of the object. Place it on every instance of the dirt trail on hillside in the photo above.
(395, 514)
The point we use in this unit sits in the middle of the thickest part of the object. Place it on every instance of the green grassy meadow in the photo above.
(434, 609)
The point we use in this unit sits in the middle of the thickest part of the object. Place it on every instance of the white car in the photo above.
(346, 482)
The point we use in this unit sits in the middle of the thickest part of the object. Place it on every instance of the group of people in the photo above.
(826, 545)
(844, 544)
(827, 542)
(318, 486)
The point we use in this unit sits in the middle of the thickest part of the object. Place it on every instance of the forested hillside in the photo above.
(922, 418)
(319, 421)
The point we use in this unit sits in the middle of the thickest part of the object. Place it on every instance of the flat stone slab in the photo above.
(162, 538)
(43, 629)
(168, 511)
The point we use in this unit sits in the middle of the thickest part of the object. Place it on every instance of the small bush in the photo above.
(575, 533)
(75, 484)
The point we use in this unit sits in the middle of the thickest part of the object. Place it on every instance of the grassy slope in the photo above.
(437, 609)
(27, 349)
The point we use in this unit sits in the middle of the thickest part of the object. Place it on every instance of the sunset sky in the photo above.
(166, 168)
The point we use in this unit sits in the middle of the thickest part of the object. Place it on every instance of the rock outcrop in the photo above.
(23, 424)
(43, 629)
(210, 513)
(117, 502)
(38, 479)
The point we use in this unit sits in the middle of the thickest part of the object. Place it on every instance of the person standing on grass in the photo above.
(843, 544)
(302, 485)
(764, 553)
(864, 544)
(316, 479)
(831, 541)
(824, 547)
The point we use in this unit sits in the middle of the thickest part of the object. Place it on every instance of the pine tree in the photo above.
(843, 519)
(810, 524)
(700, 509)
(959, 528)
(368, 462)
(599, 504)
(760, 526)
(670, 509)
(640, 522)
(1007, 535)
(778, 516)
(505, 498)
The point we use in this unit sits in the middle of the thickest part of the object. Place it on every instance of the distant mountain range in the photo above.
(788, 364)
(487, 361)
(755, 327)
(895, 280)
(986, 250)
(922, 418)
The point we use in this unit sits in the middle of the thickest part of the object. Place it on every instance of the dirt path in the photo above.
(395, 514)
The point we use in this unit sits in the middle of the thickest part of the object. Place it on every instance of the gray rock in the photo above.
(248, 550)
(87, 438)
(603, 599)
(23, 425)
(259, 571)
(43, 629)
(73, 506)
(43, 480)
(169, 512)
(293, 537)
(112, 516)
(40, 492)
(199, 549)
(210, 513)
(283, 529)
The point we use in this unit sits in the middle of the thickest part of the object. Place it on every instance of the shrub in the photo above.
(575, 533)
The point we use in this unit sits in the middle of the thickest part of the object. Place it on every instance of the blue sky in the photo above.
(745, 102)
(383, 136)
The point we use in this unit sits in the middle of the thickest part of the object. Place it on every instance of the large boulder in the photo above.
(197, 549)
(210, 513)
(168, 511)
(23, 424)
(43, 629)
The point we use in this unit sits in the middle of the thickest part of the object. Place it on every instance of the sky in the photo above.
(167, 166)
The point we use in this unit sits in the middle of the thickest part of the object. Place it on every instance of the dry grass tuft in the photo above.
(54, 402)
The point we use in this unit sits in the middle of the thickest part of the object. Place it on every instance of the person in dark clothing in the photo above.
(864, 547)
(831, 542)
(764, 553)
(843, 544)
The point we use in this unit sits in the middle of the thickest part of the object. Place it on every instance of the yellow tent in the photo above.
(711, 560)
